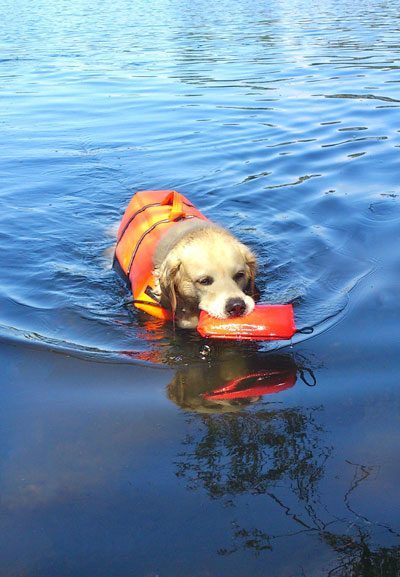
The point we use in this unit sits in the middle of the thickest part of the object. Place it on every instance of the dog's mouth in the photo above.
(231, 308)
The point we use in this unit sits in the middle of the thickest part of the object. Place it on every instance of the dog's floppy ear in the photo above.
(168, 278)
(251, 266)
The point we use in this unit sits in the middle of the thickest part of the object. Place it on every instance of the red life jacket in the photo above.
(149, 215)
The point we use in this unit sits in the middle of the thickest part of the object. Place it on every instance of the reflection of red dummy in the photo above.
(261, 383)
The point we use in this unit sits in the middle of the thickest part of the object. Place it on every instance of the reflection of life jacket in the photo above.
(149, 215)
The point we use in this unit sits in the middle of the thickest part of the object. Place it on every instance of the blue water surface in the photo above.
(280, 121)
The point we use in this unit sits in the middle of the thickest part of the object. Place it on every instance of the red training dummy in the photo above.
(266, 322)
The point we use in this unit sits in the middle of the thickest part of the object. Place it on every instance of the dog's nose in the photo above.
(235, 307)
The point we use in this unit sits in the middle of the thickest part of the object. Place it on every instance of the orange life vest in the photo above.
(149, 215)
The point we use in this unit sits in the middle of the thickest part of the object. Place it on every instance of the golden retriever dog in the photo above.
(201, 266)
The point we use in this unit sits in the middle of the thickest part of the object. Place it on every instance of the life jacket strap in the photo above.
(133, 216)
(148, 231)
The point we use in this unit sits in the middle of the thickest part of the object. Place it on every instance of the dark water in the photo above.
(280, 121)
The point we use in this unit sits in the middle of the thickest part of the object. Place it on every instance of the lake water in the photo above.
(280, 121)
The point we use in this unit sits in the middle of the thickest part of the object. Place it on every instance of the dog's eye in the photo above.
(239, 276)
(206, 280)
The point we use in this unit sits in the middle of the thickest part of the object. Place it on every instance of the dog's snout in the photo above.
(235, 307)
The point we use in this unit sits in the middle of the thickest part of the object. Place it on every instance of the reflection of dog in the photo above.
(189, 385)
(232, 383)
(200, 266)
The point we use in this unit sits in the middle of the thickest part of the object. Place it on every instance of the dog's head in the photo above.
(211, 271)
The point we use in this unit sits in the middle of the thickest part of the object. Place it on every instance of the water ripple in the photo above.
(282, 128)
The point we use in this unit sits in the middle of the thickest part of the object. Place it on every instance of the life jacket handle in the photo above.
(175, 200)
